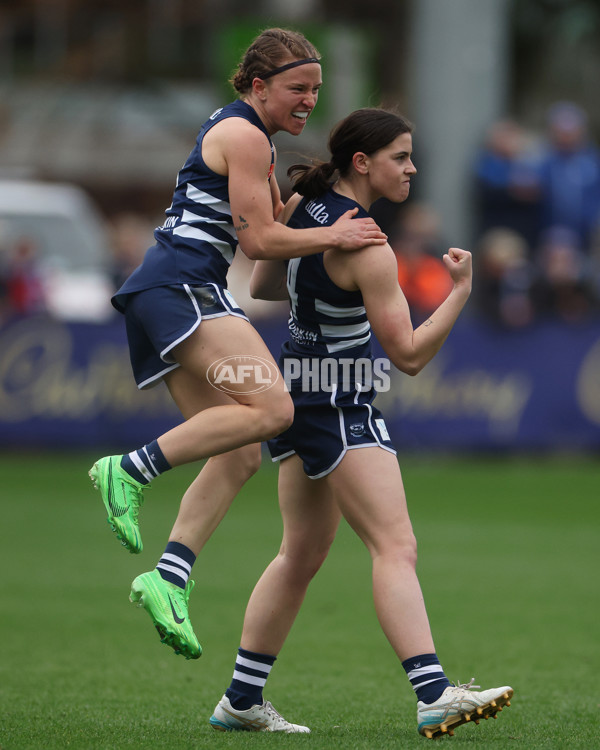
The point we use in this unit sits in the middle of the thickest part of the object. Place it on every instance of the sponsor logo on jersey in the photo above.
(301, 335)
(317, 211)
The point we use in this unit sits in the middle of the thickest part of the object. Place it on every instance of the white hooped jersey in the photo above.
(325, 320)
(196, 243)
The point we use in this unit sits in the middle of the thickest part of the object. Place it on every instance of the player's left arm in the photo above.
(268, 280)
(278, 204)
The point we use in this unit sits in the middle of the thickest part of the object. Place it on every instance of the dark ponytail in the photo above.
(311, 180)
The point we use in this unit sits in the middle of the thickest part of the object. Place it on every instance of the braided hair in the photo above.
(269, 50)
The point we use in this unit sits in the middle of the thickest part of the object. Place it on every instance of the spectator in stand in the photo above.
(128, 233)
(422, 274)
(505, 278)
(23, 280)
(564, 287)
(506, 182)
(569, 175)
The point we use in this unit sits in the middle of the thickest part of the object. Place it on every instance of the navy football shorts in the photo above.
(158, 319)
(326, 426)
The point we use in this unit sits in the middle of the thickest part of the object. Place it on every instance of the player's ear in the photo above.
(259, 87)
(360, 162)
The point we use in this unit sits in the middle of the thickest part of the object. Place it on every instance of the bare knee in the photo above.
(276, 417)
(410, 550)
(401, 549)
(283, 414)
(303, 566)
(247, 461)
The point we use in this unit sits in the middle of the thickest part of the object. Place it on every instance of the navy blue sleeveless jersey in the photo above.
(197, 241)
(325, 319)
(327, 362)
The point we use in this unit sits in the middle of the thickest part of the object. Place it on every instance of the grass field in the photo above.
(509, 564)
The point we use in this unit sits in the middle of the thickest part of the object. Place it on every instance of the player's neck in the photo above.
(355, 190)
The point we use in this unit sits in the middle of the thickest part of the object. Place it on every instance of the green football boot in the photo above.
(122, 497)
(167, 605)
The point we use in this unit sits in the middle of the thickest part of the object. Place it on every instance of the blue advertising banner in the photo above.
(70, 386)
(491, 388)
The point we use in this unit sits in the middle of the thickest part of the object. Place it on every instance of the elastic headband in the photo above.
(288, 66)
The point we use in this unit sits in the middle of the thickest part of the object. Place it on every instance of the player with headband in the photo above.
(181, 319)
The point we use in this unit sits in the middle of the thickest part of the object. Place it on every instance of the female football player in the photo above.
(181, 319)
(337, 458)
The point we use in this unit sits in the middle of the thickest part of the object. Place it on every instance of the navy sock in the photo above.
(146, 463)
(426, 676)
(176, 563)
(249, 678)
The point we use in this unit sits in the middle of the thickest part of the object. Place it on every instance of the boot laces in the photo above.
(468, 685)
(273, 713)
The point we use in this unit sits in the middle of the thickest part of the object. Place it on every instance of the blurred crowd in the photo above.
(536, 251)
(536, 208)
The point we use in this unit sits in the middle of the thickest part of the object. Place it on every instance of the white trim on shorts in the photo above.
(159, 376)
(187, 334)
(226, 303)
(163, 355)
(346, 447)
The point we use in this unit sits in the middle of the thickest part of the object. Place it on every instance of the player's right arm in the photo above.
(240, 150)
(374, 272)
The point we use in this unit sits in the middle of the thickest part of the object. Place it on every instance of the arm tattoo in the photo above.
(243, 224)
(428, 322)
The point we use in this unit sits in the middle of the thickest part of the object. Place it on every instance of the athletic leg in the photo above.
(310, 521)
(212, 426)
(247, 418)
(368, 486)
(208, 498)
(164, 592)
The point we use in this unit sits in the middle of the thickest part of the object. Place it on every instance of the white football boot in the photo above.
(262, 718)
(459, 704)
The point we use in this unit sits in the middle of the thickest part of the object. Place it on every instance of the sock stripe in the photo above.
(151, 464)
(416, 675)
(179, 561)
(249, 679)
(252, 664)
(426, 676)
(252, 672)
(141, 466)
(419, 685)
(172, 569)
(175, 564)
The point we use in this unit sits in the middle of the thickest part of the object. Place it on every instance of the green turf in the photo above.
(509, 563)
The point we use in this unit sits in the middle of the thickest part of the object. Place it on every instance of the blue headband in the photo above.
(288, 66)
